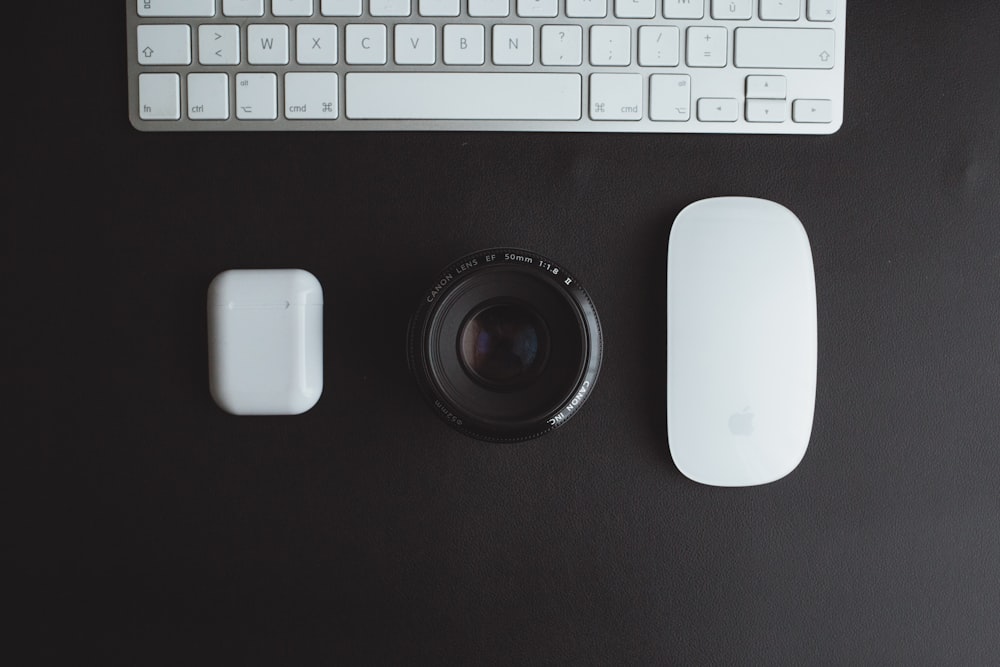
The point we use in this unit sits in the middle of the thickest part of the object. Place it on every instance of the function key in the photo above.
(822, 10)
(159, 97)
(155, 8)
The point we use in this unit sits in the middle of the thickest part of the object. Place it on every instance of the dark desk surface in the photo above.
(151, 528)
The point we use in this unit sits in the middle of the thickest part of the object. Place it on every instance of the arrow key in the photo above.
(766, 111)
(766, 87)
(812, 111)
(219, 44)
(718, 110)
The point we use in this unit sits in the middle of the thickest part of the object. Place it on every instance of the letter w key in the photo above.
(267, 44)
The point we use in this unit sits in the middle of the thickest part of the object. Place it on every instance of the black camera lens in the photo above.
(506, 345)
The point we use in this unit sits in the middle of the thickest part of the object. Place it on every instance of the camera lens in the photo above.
(506, 345)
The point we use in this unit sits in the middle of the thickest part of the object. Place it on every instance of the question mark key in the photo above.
(562, 45)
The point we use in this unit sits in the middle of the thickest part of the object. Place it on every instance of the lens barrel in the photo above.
(506, 345)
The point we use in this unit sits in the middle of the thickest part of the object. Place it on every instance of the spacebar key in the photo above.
(462, 96)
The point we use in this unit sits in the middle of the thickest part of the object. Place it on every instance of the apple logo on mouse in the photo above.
(741, 423)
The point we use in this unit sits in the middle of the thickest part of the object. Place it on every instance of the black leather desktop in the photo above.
(150, 528)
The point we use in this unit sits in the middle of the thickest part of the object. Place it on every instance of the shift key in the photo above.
(785, 48)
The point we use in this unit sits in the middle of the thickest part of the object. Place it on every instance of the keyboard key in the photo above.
(219, 44)
(766, 87)
(463, 96)
(316, 44)
(256, 96)
(292, 7)
(821, 10)
(365, 44)
(513, 45)
(439, 7)
(164, 45)
(414, 44)
(610, 45)
(812, 111)
(389, 7)
(670, 97)
(311, 95)
(616, 96)
(464, 44)
(707, 47)
(718, 110)
(732, 9)
(784, 48)
(562, 45)
(635, 9)
(496, 8)
(683, 9)
(593, 9)
(208, 96)
(171, 8)
(779, 10)
(340, 8)
(766, 111)
(267, 44)
(243, 7)
(159, 97)
(537, 8)
(659, 46)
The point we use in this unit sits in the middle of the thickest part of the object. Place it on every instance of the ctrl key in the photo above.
(159, 97)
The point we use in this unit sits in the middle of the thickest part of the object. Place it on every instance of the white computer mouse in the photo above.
(741, 341)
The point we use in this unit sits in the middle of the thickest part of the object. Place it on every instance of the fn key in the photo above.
(159, 97)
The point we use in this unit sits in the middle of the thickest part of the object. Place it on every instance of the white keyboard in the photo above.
(712, 66)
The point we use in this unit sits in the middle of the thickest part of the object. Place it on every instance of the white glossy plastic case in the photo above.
(265, 341)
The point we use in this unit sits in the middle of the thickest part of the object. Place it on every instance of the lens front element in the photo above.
(504, 346)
